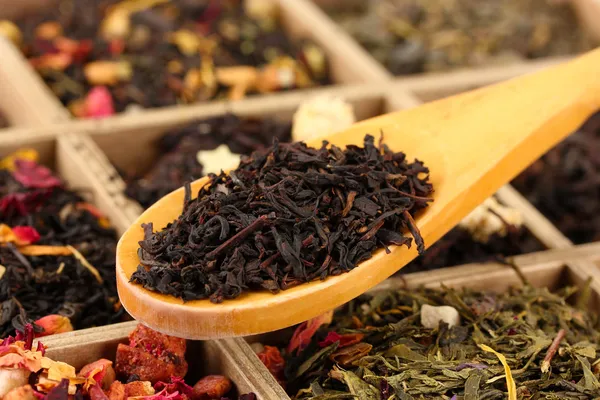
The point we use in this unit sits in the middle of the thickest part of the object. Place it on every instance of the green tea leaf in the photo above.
(320, 355)
(404, 352)
(472, 386)
(361, 389)
(590, 380)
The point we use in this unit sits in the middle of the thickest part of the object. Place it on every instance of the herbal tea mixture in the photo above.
(564, 184)
(287, 215)
(152, 367)
(445, 344)
(412, 36)
(105, 56)
(57, 253)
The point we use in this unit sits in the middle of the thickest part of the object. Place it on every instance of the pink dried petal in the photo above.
(26, 234)
(22, 203)
(99, 103)
(177, 385)
(32, 175)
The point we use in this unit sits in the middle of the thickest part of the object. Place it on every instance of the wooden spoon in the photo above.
(473, 144)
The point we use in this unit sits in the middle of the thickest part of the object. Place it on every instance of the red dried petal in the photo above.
(306, 330)
(22, 203)
(177, 385)
(26, 234)
(344, 340)
(32, 175)
(99, 103)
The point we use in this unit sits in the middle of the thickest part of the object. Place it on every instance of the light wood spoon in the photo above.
(473, 144)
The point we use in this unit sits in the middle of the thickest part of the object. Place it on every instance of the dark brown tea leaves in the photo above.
(525, 343)
(287, 215)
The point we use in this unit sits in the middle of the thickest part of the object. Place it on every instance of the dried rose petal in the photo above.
(26, 234)
(53, 324)
(99, 103)
(177, 385)
(21, 203)
(32, 175)
(305, 331)
(344, 340)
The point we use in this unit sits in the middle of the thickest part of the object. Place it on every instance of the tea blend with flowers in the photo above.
(413, 36)
(491, 232)
(105, 56)
(287, 215)
(57, 253)
(183, 151)
(526, 343)
(151, 366)
(564, 184)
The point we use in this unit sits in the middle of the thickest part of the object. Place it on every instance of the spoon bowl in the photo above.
(473, 143)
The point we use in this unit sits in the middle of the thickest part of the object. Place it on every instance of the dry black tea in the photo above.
(57, 253)
(563, 184)
(179, 161)
(287, 215)
(490, 233)
(445, 343)
(413, 36)
(150, 366)
(105, 56)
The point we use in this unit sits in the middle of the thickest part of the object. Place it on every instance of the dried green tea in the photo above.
(288, 215)
(413, 36)
(105, 56)
(445, 343)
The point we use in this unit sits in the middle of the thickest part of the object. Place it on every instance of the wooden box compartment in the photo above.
(413, 12)
(216, 357)
(299, 19)
(551, 274)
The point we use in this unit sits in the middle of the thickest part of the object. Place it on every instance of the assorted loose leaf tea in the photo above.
(182, 150)
(490, 233)
(445, 343)
(151, 366)
(564, 185)
(105, 56)
(413, 36)
(57, 253)
(287, 215)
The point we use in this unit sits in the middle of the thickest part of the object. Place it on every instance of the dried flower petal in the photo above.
(186, 41)
(33, 175)
(53, 324)
(19, 235)
(8, 162)
(344, 340)
(305, 331)
(99, 103)
(240, 75)
(37, 250)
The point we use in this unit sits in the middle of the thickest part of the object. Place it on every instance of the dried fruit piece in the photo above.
(116, 25)
(100, 370)
(212, 387)
(52, 61)
(21, 393)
